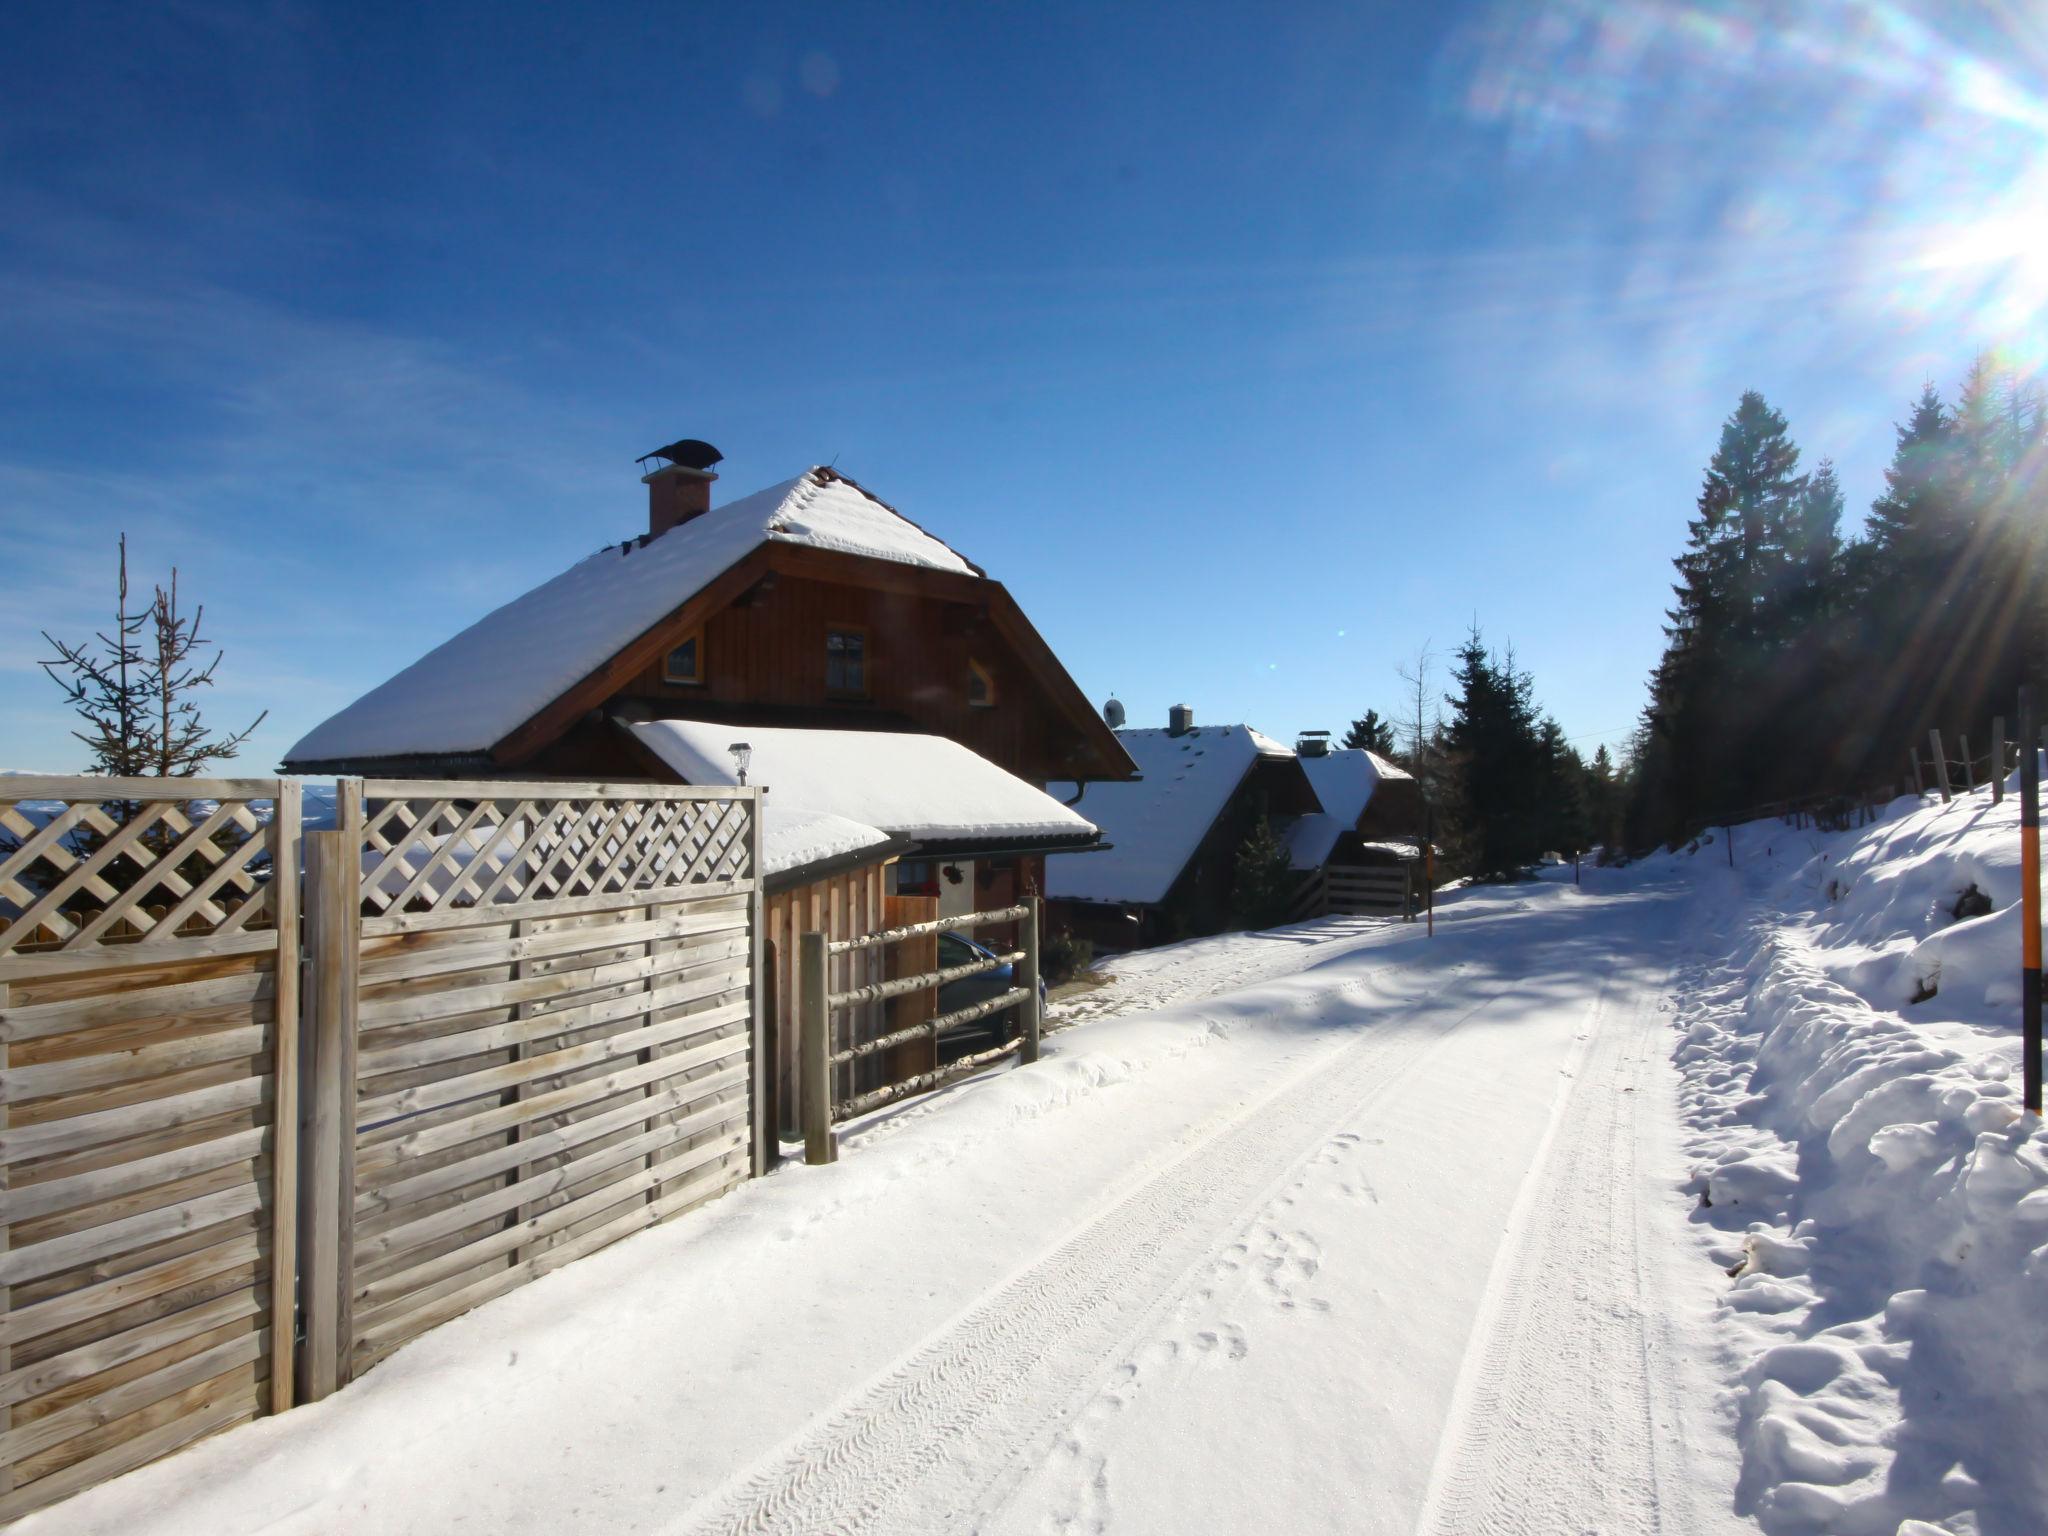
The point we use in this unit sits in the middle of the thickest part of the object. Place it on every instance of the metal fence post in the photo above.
(815, 1067)
(1998, 768)
(1027, 978)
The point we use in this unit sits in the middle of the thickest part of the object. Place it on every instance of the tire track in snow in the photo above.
(1558, 1413)
(926, 1444)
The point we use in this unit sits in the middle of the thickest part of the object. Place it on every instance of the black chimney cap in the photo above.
(690, 452)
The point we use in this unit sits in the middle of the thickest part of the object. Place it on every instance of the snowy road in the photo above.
(1358, 1231)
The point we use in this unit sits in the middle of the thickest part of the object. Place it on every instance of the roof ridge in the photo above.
(825, 473)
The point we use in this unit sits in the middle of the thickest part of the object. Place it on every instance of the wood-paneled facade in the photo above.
(946, 654)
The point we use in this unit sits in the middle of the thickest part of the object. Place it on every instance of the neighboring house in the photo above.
(1362, 853)
(1174, 834)
(795, 620)
(1372, 812)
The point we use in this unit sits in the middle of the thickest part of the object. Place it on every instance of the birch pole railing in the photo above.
(818, 1006)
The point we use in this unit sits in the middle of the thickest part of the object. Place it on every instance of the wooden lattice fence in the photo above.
(530, 1027)
(148, 1031)
(541, 1038)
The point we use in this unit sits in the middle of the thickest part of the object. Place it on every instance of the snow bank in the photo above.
(1884, 1200)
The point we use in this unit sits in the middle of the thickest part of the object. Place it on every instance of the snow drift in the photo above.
(1850, 1078)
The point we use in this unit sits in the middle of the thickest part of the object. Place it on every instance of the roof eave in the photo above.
(836, 864)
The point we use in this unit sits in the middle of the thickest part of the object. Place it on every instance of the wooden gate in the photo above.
(534, 1030)
(148, 1030)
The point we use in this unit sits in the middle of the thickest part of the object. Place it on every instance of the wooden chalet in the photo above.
(808, 607)
(1362, 854)
(1175, 833)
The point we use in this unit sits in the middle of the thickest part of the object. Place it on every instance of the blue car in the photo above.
(984, 1033)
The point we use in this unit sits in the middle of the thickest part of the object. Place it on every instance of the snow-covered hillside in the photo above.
(1884, 1202)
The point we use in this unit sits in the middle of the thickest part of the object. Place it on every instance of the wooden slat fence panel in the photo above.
(148, 1033)
(555, 1033)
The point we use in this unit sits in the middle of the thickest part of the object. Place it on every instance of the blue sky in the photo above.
(1252, 351)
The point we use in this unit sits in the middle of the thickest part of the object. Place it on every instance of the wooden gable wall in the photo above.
(763, 658)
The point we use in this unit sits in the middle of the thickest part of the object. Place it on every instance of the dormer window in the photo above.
(981, 688)
(846, 662)
(685, 662)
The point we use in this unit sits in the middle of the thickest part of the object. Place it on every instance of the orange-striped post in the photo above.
(2030, 901)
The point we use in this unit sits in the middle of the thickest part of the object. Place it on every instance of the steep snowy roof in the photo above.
(1344, 780)
(470, 692)
(1309, 839)
(922, 787)
(1155, 825)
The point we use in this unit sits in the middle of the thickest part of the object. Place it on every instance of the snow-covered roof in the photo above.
(1344, 780)
(470, 692)
(792, 839)
(1155, 825)
(1309, 839)
(908, 786)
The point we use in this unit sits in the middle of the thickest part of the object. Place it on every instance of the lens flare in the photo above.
(1890, 157)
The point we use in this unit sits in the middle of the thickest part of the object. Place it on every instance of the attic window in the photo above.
(981, 688)
(685, 662)
(846, 663)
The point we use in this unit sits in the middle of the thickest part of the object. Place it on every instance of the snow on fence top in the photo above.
(470, 692)
(921, 787)
(1155, 824)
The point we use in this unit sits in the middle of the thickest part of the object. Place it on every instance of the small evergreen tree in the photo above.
(1372, 733)
(182, 741)
(1263, 883)
(134, 689)
(108, 687)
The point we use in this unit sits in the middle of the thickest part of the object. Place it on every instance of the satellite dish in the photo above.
(1113, 713)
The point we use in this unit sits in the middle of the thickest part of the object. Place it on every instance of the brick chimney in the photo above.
(680, 488)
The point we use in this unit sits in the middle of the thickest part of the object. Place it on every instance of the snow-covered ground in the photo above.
(1881, 1198)
(1337, 1228)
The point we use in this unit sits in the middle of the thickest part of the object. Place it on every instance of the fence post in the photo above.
(1940, 765)
(1998, 769)
(1969, 768)
(2030, 907)
(1919, 783)
(814, 1020)
(327, 1228)
(767, 1115)
(285, 858)
(1034, 1023)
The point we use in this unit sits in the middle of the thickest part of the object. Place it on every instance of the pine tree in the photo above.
(182, 742)
(1724, 683)
(1263, 880)
(1905, 526)
(1494, 749)
(1815, 544)
(133, 691)
(109, 687)
(1372, 733)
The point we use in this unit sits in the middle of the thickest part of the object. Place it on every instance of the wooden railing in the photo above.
(817, 1008)
(1357, 890)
